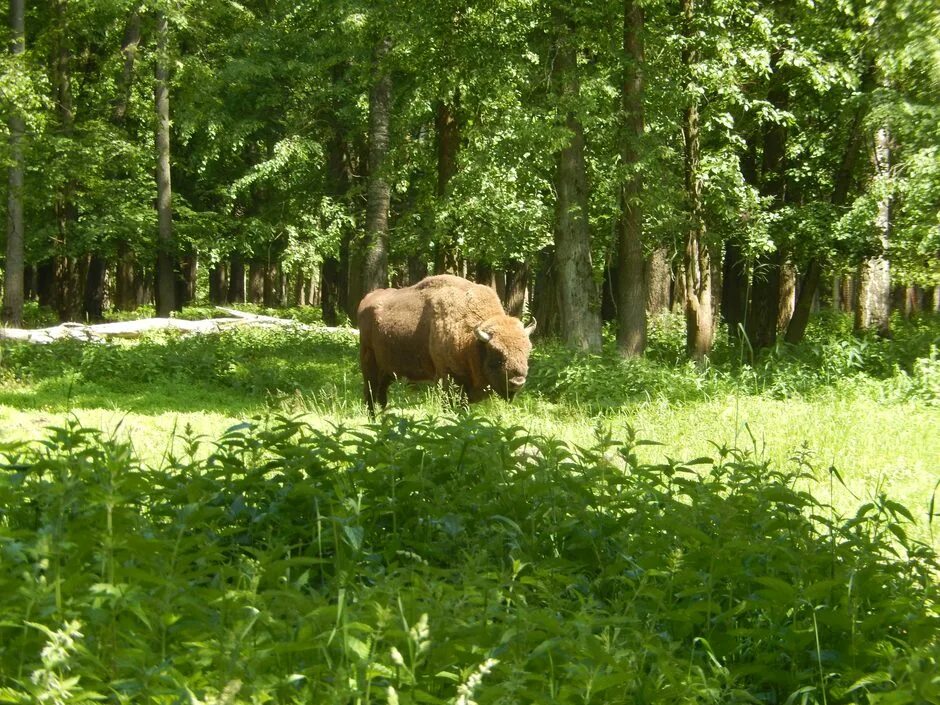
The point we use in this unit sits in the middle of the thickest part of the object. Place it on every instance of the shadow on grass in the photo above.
(235, 373)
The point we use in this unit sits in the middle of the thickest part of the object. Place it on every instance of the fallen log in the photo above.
(101, 332)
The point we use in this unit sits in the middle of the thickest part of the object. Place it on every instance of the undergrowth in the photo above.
(831, 360)
(447, 560)
(261, 363)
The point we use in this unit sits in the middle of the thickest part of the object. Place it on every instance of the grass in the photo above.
(645, 531)
(868, 407)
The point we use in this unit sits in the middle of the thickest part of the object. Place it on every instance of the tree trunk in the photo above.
(516, 282)
(255, 293)
(334, 272)
(873, 306)
(125, 298)
(165, 289)
(218, 284)
(45, 283)
(787, 295)
(545, 296)
(577, 292)
(375, 255)
(734, 288)
(848, 288)
(447, 138)
(658, 282)
(631, 294)
(699, 323)
(273, 289)
(236, 286)
(95, 289)
(185, 281)
(764, 310)
(299, 289)
(14, 263)
(67, 278)
(125, 290)
(330, 293)
(840, 191)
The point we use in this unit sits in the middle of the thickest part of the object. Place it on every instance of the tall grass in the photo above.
(448, 559)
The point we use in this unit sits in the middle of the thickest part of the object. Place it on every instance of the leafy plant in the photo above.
(450, 559)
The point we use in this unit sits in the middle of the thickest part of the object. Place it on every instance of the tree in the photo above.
(375, 258)
(15, 253)
(577, 291)
(632, 302)
(699, 321)
(166, 294)
(873, 308)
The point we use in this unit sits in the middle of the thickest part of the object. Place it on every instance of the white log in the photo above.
(101, 332)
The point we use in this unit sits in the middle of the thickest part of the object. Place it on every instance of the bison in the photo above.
(442, 328)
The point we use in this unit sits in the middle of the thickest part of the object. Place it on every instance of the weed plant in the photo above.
(832, 360)
(448, 559)
(266, 363)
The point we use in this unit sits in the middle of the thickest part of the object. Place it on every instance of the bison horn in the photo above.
(530, 329)
(483, 335)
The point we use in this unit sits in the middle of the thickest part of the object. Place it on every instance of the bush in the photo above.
(418, 560)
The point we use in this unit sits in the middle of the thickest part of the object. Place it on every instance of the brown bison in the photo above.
(442, 328)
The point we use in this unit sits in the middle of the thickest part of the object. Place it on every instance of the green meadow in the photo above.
(214, 519)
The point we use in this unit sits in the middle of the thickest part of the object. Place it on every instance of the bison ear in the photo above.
(530, 329)
(481, 334)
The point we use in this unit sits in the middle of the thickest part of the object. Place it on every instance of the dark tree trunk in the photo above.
(764, 310)
(578, 300)
(95, 288)
(734, 288)
(609, 293)
(299, 289)
(273, 288)
(186, 273)
(255, 294)
(45, 283)
(165, 289)
(447, 138)
(699, 322)
(15, 261)
(330, 292)
(126, 294)
(375, 254)
(417, 269)
(545, 297)
(68, 281)
(516, 283)
(736, 269)
(129, 47)
(218, 284)
(236, 286)
(30, 284)
(840, 191)
(125, 289)
(143, 286)
(334, 271)
(631, 283)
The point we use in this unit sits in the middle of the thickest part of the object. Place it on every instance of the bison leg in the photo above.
(374, 387)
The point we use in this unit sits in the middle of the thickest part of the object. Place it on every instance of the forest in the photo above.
(742, 164)
(719, 481)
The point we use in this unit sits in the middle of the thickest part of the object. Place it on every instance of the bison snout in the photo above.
(515, 383)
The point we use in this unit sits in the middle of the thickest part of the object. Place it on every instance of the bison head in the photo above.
(505, 349)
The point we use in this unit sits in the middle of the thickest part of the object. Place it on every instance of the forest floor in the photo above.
(867, 409)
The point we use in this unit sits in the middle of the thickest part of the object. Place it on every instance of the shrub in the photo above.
(422, 560)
